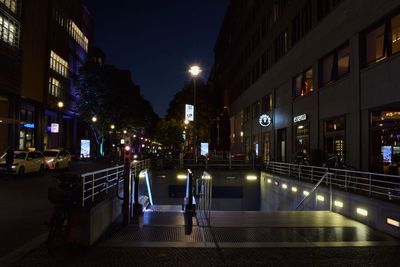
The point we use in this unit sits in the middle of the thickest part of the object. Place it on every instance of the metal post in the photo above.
(330, 192)
(92, 187)
(370, 184)
(189, 207)
(137, 207)
(127, 193)
(83, 190)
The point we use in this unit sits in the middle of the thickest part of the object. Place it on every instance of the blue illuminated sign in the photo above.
(29, 125)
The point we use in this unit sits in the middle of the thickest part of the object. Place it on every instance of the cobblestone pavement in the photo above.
(131, 256)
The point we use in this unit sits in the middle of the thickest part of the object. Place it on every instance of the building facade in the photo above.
(10, 69)
(313, 76)
(54, 44)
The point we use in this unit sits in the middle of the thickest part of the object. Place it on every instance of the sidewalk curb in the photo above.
(23, 250)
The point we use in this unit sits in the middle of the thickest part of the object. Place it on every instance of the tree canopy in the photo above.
(205, 110)
(110, 94)
(169, 133)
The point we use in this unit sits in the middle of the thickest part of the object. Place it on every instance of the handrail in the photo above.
(314, 188)
(97, 184)
(205, 198)
(372, 184)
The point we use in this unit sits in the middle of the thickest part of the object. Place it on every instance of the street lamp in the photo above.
(194, 71)
(60, 105)
(94, 119)
(112, 126)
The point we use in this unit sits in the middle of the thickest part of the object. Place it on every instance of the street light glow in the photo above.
(195, 70)
(60, 104)
(125, 131)
(94, 119)
(112, 126)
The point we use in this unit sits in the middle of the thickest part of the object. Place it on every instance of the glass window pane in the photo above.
(327, 66)
(297, 85)
(396, 34)
(308, 82)
(375, 44)
(343, 61)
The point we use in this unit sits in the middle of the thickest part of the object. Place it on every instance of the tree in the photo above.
(110, 94)
(206, 107)
(169, 133)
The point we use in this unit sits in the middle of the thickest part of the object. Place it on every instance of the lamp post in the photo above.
(194, 72)
(60, 105)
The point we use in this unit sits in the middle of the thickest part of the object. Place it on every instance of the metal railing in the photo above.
(328, 177)
(99, 184)
(204, 203)
(372, 184)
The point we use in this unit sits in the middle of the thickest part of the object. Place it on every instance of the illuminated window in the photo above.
(55, 88)
(58, 64)
(10, 4)
(78, 36)
(73, 30)
(9, 31)
(335, 65)
(395, 34)
(375, 44)
(383, 40)
(303, 83)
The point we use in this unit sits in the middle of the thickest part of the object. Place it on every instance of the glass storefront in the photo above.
(281, 145)
(385, 142)
(302, 138)
(266, 148)
(334, 137)
(26, 131)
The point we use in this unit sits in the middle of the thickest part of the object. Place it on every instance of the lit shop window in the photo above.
(8, 31)
(335, 65)
(10, 4)
(303, 83)
(55, 88)
(58, 64)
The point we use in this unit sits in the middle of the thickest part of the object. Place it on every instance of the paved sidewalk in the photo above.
(257, 239)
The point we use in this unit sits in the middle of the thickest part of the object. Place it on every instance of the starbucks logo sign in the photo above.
(265, 120)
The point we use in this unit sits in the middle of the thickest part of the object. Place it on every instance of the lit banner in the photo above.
(54, 128)
(85, 148)
(189, 112)
(204, 149)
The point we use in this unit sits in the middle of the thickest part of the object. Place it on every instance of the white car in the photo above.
(25, 162)
(57, 159)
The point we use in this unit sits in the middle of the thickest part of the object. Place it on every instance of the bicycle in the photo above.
(64, 197)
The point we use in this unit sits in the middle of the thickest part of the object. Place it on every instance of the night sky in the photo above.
(157, 40)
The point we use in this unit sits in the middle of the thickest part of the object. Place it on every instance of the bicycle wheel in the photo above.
(58, 230)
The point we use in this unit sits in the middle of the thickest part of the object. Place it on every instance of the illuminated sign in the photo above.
(85, 148)
(29, 125)
(204, 149)
(54, 128)
(300, 118)
(265, 120)
(189, 112)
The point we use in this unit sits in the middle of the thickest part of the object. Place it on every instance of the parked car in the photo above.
(57, 159)
(25, 162)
